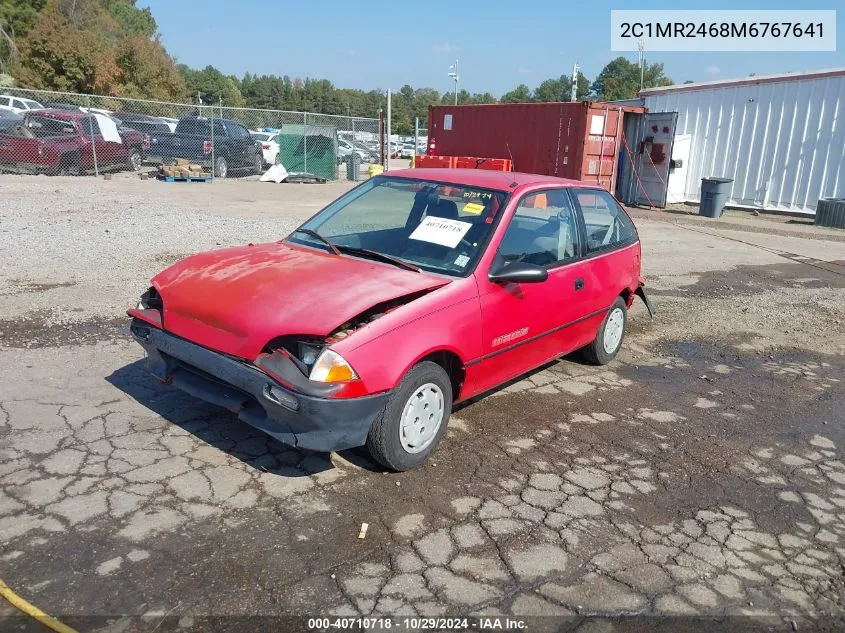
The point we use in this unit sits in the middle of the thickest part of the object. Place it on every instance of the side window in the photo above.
(236, 131)
(17, 103)
(543, 230)
(4, 101)
(90, 127)
(606, 223)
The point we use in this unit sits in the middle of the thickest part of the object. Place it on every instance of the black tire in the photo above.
(135, 160)
(384, 442)
(221, 167)
(69, 165)
(595, 352)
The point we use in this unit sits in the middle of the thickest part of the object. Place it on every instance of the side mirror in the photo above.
(517, 272)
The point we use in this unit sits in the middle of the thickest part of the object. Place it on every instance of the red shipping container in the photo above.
(578, 140)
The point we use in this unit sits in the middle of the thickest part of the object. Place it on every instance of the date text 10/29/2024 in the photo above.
(492, 623)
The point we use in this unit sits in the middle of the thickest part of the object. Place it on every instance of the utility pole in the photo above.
(453, 73)
(389, 115)
(641, 49)
(574, 96)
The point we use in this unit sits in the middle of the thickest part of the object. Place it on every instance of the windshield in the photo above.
(437, 227)
(32, 105)
(261, 136)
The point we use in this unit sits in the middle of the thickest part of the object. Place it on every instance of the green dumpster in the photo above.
(311, 149)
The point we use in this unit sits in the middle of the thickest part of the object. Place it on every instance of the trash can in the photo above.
(830, 212)
(714, 195)
(353, 167)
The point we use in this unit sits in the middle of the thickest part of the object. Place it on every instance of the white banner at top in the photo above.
(723, 30)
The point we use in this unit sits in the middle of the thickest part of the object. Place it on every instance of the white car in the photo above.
(408, 150)
(269, 146)
(18, 105)
(345, 149)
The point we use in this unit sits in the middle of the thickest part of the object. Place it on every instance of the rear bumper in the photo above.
(293, 418)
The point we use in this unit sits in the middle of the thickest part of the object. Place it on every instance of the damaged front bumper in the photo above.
(294, 418)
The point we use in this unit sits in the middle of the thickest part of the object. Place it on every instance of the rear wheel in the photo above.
(221, 167)
(609, 338)
(414, 418)
(258, 164)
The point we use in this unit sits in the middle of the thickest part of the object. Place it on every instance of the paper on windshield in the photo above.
(441, 231)
(108, 128)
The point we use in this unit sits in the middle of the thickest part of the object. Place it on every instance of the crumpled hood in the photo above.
(236, 300)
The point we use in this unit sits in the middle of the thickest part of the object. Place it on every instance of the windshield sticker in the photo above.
(473, 208)
(461, 260)
(441, 231)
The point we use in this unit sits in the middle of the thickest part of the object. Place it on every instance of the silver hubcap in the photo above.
(222, 168)
(613, 330)
(136, 161)
(421, 418)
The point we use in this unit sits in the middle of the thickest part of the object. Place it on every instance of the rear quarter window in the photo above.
(607, 224)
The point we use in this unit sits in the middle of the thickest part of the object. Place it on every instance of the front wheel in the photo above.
(413, 420)
(609, 338)
(135, 160)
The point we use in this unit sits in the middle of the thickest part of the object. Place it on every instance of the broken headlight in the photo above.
(331, 367)
(150, 300)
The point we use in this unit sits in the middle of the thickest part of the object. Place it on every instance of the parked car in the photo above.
(350, 332)
(233, 147)
(57, 105)
(408, 150)
(60, 142)
(269, 146)
(143, 122)
(346, 149)
(18, 105)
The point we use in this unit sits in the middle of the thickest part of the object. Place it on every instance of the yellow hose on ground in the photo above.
(33, 611)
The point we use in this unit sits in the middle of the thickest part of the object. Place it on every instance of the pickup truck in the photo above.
(66, 142)
(234, 148)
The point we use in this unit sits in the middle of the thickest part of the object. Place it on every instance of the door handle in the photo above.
(579, 283)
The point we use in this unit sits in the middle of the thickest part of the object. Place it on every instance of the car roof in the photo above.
(485, 178)
(57, 113)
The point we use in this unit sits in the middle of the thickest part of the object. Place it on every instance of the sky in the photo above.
(499, 44)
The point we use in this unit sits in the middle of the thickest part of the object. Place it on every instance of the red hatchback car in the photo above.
(413, 291)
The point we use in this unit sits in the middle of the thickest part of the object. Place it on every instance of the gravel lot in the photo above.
(700, 474)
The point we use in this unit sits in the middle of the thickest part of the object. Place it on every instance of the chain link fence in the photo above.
(420, 138)
(64, 133)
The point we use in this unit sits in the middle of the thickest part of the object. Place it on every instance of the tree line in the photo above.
(112, 47)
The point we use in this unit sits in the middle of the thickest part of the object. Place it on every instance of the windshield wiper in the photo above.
(366, 252)
(324, 240)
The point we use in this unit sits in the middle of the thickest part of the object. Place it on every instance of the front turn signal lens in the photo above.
(331, 367)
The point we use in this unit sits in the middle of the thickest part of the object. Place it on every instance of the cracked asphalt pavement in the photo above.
(701, 474)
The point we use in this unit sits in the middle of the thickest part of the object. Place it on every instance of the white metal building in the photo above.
(781, 138)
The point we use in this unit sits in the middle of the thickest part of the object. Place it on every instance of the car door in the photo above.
(242, 145)
(611, 244)
(103, 151)
(527, 324)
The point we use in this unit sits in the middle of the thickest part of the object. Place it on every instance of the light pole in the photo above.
(453, 73)
(640, 49)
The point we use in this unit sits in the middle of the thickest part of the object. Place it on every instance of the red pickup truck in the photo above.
(66, 142)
